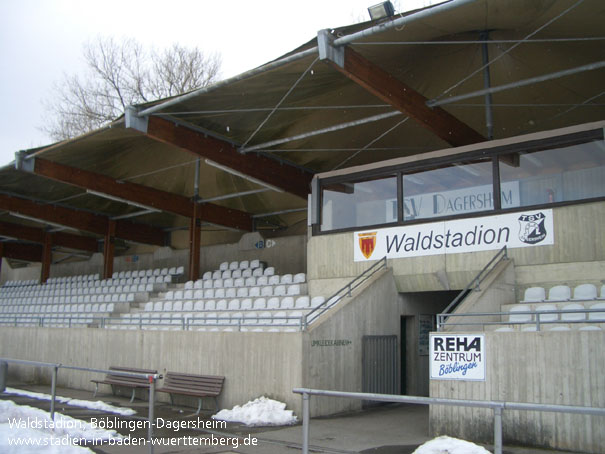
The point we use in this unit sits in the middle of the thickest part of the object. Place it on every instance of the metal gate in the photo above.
(379, 365)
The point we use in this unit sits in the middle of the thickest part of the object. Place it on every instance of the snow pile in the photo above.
(448, 445)
(259, 412)
(96, 405)
(25, 429)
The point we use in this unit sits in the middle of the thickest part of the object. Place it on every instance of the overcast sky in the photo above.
(40, 40)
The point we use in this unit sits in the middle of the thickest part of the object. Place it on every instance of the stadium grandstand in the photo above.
(328, 219)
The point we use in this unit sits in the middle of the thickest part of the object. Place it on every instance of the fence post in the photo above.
(305, 426)
(151, 412)
(53, 391)
(498, 430)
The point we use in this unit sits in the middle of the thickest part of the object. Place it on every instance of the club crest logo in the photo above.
(367, 243)
(531, 228)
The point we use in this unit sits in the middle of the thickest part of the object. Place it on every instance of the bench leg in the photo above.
(171, 399)
(96, 389)
(215, 403)
(199, 406)
(132, 398)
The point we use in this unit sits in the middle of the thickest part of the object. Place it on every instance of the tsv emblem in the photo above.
(531, 228)
(367, 243)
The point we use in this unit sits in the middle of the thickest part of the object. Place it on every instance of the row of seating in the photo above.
(75, 278)
(235, 304)
(582, 292)
(549, 327)
(554, 312)
(174, 271)
(236, 292)
(35, 309)
(250, 281)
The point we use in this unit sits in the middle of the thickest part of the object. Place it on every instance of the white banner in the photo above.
(515, 230)
(457, 357)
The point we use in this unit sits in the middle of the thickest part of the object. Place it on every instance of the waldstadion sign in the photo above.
(523, 229)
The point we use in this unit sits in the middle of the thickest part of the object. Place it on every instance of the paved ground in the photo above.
(388, 429)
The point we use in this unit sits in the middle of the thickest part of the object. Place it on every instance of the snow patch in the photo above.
(259, 412)
(93, 405)
(448, 445)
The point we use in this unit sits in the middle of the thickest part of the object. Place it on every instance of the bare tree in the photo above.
(119, 75)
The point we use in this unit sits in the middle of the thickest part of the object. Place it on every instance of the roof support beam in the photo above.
(195, 230)
(401, 96)
(36, 235)
(142, 195)
(47, 257)
(109, 249)
(81, 220)
(288, 178)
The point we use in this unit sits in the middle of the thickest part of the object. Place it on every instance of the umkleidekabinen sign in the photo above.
(524, 229)
(457, 357)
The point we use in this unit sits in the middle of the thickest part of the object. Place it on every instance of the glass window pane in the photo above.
(448, 191)
(360, 203)
(561, 174)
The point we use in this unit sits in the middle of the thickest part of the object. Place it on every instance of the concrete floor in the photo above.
(386, 429)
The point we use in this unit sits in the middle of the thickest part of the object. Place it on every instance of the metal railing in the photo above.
(343, 292)
(536, 318)
(497, 407)
(55, 370)
(475, 283)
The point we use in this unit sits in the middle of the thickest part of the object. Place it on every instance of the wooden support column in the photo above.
(108, 249)
(47, 256)
(195, 230)
(1, 256)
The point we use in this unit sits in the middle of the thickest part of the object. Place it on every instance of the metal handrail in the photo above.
(337, 296)
(496, 406)
(475, 283)
(537, 321)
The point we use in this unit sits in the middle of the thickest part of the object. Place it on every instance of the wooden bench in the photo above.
(128, 381)
(199, 386)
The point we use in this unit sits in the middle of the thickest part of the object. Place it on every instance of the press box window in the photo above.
(451, 190)
(558, 175)
(359, 203)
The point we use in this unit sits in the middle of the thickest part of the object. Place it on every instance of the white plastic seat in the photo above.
(260, 303)
(286, 279)
(236, 274)
(188, 306)
(287, 303)
(269, 271)
(590, 328)
(177, 306)
(210, 305)
(231, 292)
(573, 315)
(246, 273)
(219, 293)
(226, 274)
(221, 305)
(172, 270)
(294, 289)
(257, 272)
(177, 295)
(167, 306)
(242, 292)
(217, 283)
(148, 306)
(211, 318)
(239, 282)
(209, 293)
(217, 274)
(274, 280)
(302, 302)
(273, 303)
(189, 284)
(279, 290)
(584, 292)
(234, 265)
(228, 283)
(267, 290)
(602, 293)
(255, 264)
(600, 316)
(198, 306)
(518, 314)
(187, 294)
(233, 305)
(250, 281)
(265, 318)
(534, 295)
(208, 284)
(254, 291)
(198, 294)
(262, 280)
(158, 305)
(547, 317)
(246, 304)
(207, 275)
(279, 318)
(198, 284)
(224, 266)
(559, 293)
(244, 264)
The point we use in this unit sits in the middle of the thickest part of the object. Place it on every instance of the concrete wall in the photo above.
(579, 247)
(254, 364)
(373, 310)
(563, 368)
